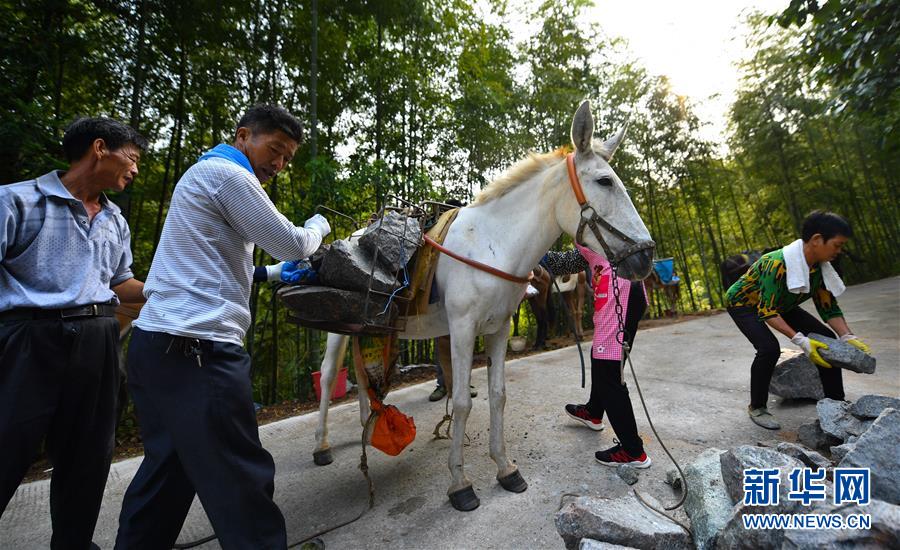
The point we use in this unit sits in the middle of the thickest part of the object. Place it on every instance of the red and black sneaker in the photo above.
(581, 414)
(617, 455)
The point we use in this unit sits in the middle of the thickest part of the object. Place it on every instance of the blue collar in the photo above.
(227, 152)
(51, 186)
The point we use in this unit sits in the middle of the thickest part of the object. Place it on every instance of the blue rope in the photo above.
(405, 280)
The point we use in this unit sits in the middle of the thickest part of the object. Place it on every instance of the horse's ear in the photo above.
(583, 128)
(609, 146)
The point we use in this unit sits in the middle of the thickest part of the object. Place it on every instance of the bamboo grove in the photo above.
(426, 99)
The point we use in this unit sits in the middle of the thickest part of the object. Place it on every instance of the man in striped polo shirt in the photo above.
(188, 372)
(65, 263)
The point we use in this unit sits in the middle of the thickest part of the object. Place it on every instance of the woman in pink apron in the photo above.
(609, 394)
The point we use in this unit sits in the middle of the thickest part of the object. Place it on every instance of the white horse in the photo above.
(509, 226)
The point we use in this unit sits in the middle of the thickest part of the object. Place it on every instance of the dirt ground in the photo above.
(130, 446)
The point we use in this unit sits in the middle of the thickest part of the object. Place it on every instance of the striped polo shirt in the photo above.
(52, 255)
(200, 279)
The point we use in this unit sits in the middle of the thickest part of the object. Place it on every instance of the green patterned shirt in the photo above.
(764, 286)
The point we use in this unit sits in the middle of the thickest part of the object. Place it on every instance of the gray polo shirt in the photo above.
(200, 279)
(51, 255)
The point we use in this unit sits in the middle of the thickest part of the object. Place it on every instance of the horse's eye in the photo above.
(605, 181)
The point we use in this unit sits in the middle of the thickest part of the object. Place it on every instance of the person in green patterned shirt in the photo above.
(760, 299)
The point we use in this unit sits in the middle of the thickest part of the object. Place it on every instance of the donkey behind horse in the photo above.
(509, 226)
(572, 290)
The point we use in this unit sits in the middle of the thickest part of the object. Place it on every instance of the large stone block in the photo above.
(884, 531)
(835, 419)
(320, 304)
(870, 406)
(795, 377)
(395, 237)
(736, 460)
(349, 267)
(843, 355)
(877, 449)
(813, 437)
(707, 502)
(623, 521)
(808, 457)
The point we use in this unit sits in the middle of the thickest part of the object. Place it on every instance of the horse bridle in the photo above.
(590, 218)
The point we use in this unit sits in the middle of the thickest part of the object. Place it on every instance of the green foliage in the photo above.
(422, 99)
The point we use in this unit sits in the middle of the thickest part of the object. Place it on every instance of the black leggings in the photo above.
(768, 350)
(609, 393)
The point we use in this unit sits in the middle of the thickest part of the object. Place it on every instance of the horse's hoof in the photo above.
(513, 482)
(464, 500)
(323, 457)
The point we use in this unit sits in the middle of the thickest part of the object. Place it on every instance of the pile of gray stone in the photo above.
(356, 276)
(864, 434)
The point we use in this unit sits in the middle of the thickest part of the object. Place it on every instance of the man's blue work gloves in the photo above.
(292, 272)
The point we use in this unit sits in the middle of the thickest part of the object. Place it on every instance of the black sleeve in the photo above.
(259, 274)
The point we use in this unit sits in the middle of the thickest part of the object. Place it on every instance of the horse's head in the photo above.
(606, 220)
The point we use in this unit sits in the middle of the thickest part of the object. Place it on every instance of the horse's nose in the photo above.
(637, 266)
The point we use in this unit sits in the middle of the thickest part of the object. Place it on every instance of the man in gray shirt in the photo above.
(65, 263)
(188, 372)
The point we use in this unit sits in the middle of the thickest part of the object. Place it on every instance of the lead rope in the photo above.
(626, 354)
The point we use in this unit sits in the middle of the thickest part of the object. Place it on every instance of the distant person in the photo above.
(770, 293)
(609, 394)
(189, 375)
(65, 263)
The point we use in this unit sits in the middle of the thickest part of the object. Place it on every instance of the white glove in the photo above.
(531, 292)
(811, 348)
(802, 342)
(856, 342)
(273, 272)
(319, 224)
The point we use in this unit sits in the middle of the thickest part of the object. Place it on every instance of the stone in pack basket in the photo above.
(363, 279)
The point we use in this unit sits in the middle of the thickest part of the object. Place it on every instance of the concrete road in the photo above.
(694, 375)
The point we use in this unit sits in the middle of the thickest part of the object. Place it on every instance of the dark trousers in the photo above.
(58, 380)
(609, 393)
(768, 350)
(200, 437)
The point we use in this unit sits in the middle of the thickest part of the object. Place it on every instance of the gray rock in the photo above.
(625, 521)
(877, 450)
(395, 237)
(320, 304)
(736, 460)
(838, 452)
(813, 437)
(349, 267)
(835, 419)
(795, 377)
(734, 537)
(707, 502)
(843, 355)
(806, 456)
(629, 474)
(870, 406)
(884, 531)
(673, 479)
(591, 544)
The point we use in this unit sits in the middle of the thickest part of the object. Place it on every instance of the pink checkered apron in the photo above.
(606, 324)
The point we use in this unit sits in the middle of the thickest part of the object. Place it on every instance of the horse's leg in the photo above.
(461, 494)
(445, 358)
(334, 356)
(507, 473)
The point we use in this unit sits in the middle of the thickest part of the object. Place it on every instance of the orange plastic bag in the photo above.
(393, 430)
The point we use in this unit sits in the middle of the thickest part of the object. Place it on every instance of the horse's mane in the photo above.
(521, 171)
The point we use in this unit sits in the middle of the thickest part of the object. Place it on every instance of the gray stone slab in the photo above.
(811, 435)
(395, 237)
(870, 406)
(623, 521)
(347, 266)
(835, 419)
(883, 533)
(628, 474)
(734, 461)
(877, 449)
(591, 544)
(707, 503)
(807, 456)
(843, 355)
(795, 377)
(322, 304)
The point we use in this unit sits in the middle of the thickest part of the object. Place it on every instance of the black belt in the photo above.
(34, 313)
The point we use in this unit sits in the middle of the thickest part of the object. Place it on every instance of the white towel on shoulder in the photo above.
(798, 271)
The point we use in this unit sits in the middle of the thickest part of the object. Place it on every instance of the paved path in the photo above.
(695, 376)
